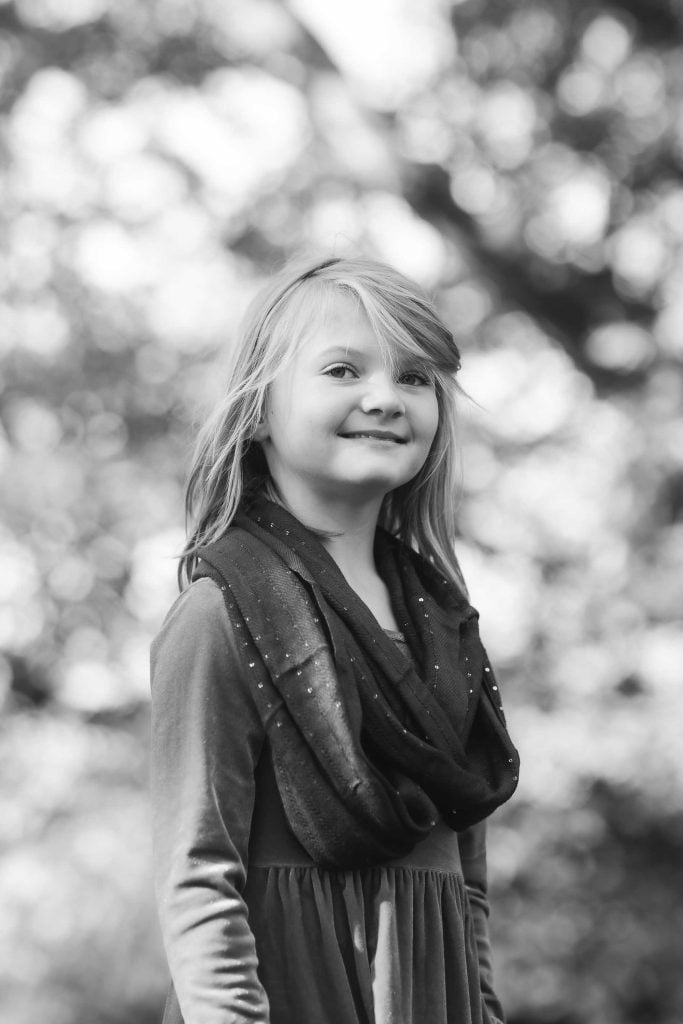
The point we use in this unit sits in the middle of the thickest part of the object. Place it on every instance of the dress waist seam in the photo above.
(455, 871)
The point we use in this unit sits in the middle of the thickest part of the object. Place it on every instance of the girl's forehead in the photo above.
(340, 324)
(344, 319)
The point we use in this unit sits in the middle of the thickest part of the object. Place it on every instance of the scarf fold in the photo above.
(369, 748)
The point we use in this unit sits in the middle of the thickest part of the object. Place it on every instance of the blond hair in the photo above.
(229, 465)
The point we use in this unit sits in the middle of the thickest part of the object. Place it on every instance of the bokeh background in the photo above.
(522, 161)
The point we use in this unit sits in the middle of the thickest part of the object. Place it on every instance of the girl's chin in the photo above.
(374, 485)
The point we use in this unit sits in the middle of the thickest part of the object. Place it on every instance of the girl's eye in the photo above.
(340, 371)
(415, 377)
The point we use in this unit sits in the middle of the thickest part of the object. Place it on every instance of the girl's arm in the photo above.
(472, 843)
(206, 739)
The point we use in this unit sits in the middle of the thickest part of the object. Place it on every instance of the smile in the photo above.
(376, 435)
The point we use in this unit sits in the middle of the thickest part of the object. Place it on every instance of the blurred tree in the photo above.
(524, 162)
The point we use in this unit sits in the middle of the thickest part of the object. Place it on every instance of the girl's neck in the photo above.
(351, 527)
(351, 541)
(353, 551)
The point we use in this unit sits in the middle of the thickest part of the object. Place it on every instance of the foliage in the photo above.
(524, 162)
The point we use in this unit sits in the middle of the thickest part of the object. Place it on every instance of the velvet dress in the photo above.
(254, 930)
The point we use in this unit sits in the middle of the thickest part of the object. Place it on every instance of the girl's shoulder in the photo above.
(199, 611)
(197, 662)
(198, 599)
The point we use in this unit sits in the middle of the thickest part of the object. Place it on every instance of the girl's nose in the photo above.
(382, 395)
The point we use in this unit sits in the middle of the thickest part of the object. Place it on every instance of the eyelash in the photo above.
(423, 379)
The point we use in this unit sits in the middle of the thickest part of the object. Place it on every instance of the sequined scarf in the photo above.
(369, 748)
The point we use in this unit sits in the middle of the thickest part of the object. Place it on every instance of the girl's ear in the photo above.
(262, 433)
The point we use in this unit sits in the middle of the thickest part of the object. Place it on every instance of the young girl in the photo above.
(327, 731)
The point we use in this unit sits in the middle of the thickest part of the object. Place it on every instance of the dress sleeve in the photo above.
(472, 843)
(206, 739)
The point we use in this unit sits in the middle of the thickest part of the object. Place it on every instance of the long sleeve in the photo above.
(206, 739)
(472, 843)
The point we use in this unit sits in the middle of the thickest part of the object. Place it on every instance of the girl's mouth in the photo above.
(376, 435)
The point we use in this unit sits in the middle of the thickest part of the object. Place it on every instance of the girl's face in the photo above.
(341, 425)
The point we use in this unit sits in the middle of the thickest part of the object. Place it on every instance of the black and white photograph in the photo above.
(341, 512)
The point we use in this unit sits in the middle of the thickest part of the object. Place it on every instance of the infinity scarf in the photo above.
(369, 748)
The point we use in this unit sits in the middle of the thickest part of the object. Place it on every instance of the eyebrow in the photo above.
(346, 350)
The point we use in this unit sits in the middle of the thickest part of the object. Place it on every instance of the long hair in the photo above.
(229, 465)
